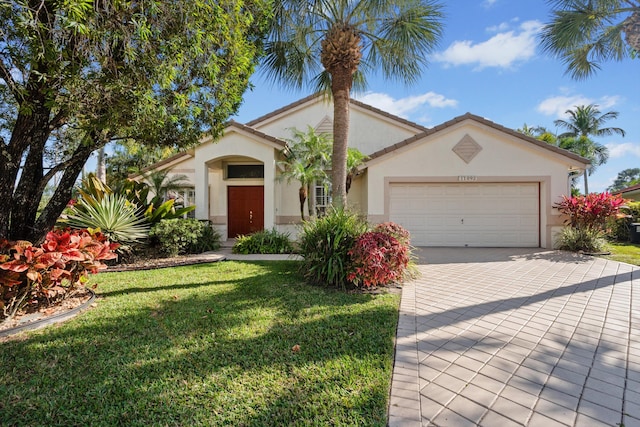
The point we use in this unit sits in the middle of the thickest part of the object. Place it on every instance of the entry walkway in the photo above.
(506, 337)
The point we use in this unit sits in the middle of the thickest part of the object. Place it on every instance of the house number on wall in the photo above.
(466, 178)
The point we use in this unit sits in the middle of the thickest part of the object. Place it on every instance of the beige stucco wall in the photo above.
(368, 132)
(503, 158)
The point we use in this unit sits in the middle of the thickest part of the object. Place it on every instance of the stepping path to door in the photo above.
(507, 337)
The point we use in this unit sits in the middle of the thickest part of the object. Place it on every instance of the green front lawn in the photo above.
(207, 345)
(624, 252)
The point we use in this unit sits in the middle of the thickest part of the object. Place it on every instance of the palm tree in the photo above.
(597, 154)
(355, 158)
(330, 44)
(306, 159)
(586, 121)
(160, 184)
(583, 33)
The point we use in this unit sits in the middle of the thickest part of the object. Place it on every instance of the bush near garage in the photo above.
(340, 250)
(35, 276)
(587, 219)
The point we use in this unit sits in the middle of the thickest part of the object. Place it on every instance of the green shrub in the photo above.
(263, 242)
(183, 236)
(580, 239)
(324, 245)
(619, 227)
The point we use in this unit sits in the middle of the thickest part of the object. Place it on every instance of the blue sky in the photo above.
(489, 63)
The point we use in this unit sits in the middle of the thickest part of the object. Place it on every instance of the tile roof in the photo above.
(481, 120)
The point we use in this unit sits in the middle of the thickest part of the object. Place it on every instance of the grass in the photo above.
(623, 252)
(207, 345)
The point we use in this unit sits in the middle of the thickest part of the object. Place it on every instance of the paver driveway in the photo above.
(502, 337)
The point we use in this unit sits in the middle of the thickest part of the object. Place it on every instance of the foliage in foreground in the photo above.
(580, 239)
(263, 242)
(620, 227)
(78, 74)
(325, 244)
(31, 277)
(185, 236)
(207, 345)
(339, 250)
(587, 217)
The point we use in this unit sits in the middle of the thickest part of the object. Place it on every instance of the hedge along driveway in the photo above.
(207, 345)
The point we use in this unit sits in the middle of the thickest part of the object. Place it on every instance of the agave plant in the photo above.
(120, 220)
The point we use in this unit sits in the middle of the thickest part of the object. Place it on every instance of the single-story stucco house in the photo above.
(466, 182)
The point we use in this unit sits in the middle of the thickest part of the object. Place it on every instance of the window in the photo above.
(183, 197)
(323, 198)
(245, 171)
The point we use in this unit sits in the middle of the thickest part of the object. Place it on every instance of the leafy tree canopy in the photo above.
(86, 71)
(585, 33)
(625, 178)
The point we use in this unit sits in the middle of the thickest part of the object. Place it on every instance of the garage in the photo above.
(468, 213)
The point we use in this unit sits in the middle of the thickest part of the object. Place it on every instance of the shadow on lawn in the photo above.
(219, 353)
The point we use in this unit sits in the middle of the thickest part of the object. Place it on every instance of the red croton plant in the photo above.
(591, 211)
(33, 276)
(380, 257)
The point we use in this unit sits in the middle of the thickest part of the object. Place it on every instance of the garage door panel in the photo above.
(468, 214)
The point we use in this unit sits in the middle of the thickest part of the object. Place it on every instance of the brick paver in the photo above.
(503, 337)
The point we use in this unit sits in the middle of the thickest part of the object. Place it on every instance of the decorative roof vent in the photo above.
(325, 126)
(467, 148)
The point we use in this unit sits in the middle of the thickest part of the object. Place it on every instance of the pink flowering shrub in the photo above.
(34, 276)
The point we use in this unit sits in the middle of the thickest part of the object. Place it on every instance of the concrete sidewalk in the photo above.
(506, 337)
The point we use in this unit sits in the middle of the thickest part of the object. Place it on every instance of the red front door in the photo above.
(245, 209)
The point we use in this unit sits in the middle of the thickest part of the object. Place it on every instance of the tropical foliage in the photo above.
(591, 211)
(32, 276)
(625, 178)
(377, 258)
(120, 220)
(355, 159)
(325, 244)
(331, 46)
(157, 72)
(307, 158)
(585, 33)
(340, 250)
(584, 122)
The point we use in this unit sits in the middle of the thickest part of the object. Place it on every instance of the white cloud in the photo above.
(557, 105)
(503, 50)
(404, 106)
(489, 3)
(621, 150)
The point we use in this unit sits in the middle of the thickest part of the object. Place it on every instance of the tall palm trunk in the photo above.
(586, 182)
(631, 28)
(340, 56)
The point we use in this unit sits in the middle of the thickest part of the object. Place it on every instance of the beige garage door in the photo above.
(468, 214)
